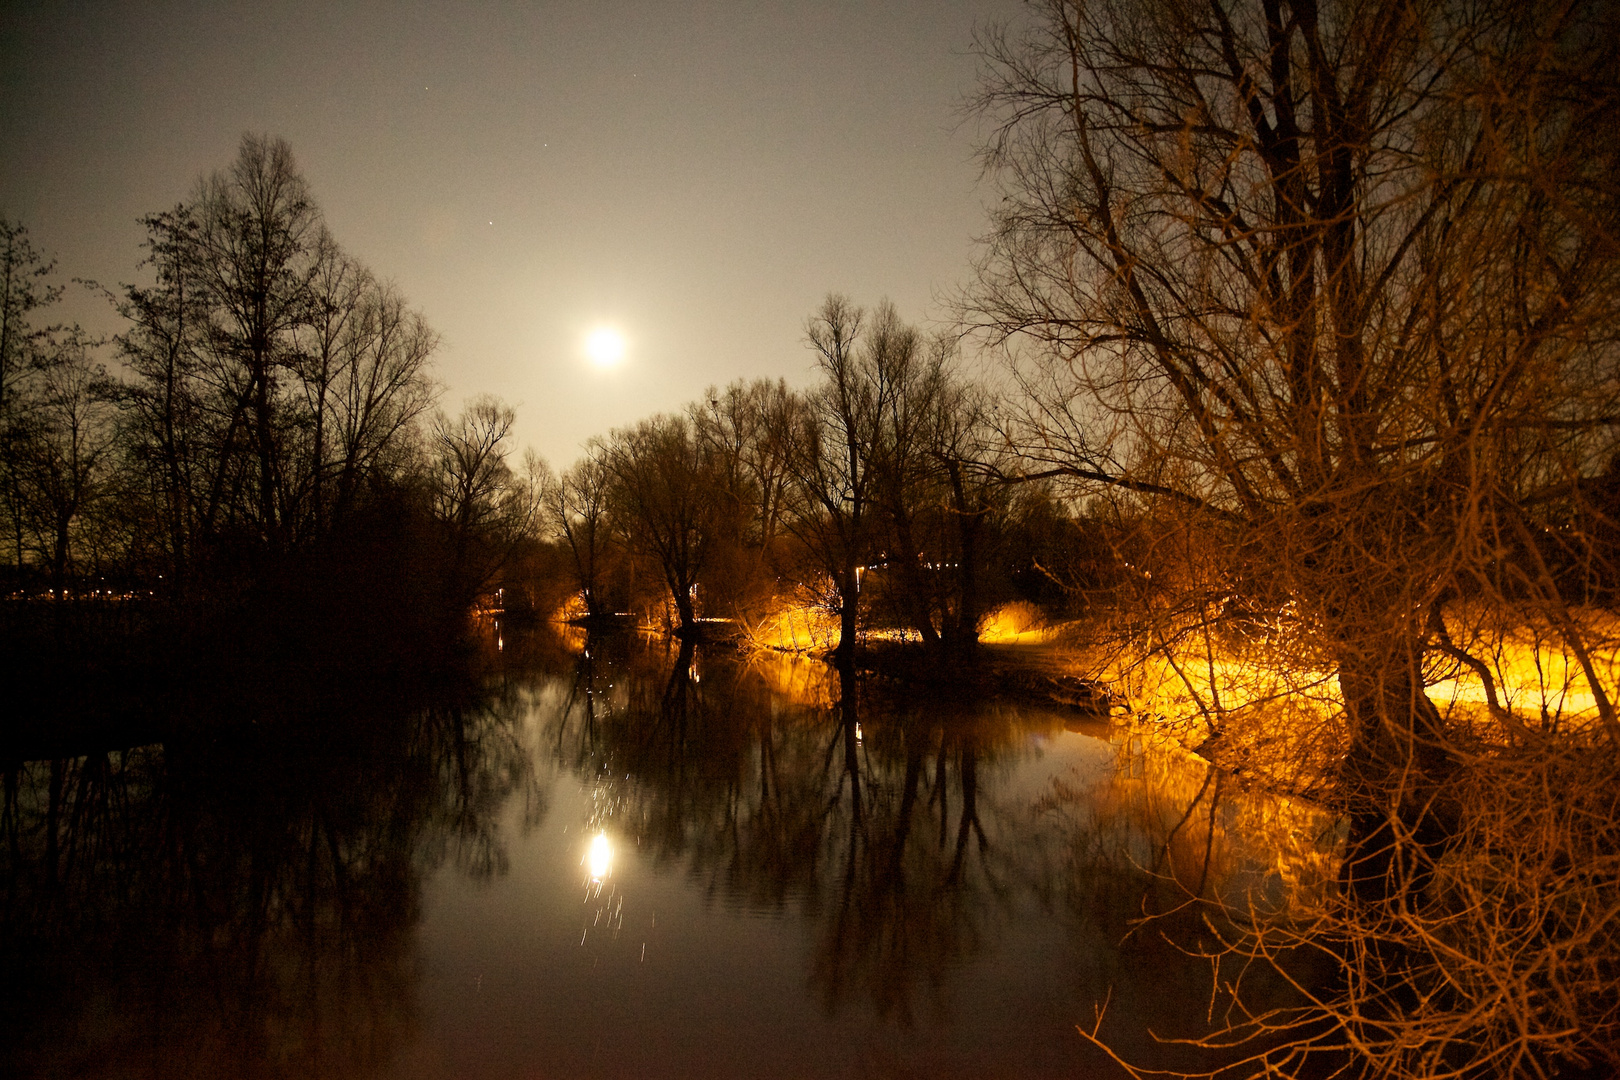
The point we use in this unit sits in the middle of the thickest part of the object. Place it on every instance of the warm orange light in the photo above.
(796, 628)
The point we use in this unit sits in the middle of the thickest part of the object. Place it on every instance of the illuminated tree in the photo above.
(943, 490)
(833, 456)
(1328, 292)
(895, 466)
(744, 431)
(1323, 281)
(912, 379)
(970, 463)
(578, 506)
(674, 503)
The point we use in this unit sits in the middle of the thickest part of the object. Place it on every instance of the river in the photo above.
(614, 857)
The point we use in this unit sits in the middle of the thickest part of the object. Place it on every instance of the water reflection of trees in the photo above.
(892, 825)
(242, 901)
(872, 822)
(1163, 850)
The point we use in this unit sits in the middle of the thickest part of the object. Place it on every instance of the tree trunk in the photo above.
(318, 484)
(684, 612)
(59, 556)
(266, 452)
(849, 602)
(965, 635)
(915, 599)
(1395, 773)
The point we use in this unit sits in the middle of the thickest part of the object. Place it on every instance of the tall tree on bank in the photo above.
(273, 377)
(833, 457)
(484, 507)
(891, 467)
(970, 468)
(256, 241)
(164, 400)
(363, 379)
(912, 379)
(579, 507)
(1331, 289)
(743, 431)
(25, 287)
(674, 502)
(63, 453)
(1318, 278)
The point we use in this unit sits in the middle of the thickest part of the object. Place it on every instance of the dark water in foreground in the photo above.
(615, 859)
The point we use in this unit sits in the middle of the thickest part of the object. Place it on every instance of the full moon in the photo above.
(605, 346)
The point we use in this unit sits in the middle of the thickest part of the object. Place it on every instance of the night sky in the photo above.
(699, 175)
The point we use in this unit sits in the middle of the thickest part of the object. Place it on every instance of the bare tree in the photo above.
(62, 457)
(169, 322)
(272, 373)
(25, 287)
(379, 391)
(891, 469)
(337, 290)
(1330, 290)
(673, 501)
(1299, 276)
(270, 382)
(912, 379)
(743, 430)
(832, 457)
(578, 506)
(256, 237)
(485, 507)
(971, 463)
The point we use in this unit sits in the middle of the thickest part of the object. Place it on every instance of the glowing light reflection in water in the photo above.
(599, 858)
(824, 886)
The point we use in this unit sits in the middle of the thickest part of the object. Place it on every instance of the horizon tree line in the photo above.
(882, 494)
(270, 396)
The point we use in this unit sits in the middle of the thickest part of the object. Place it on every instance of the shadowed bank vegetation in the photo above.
(241, 898)
(263, 432)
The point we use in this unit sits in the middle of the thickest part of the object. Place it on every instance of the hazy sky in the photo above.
(698, 174)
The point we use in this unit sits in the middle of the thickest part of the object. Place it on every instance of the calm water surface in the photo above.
(615, 858)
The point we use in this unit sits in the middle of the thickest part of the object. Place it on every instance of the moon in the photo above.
(605, 346)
